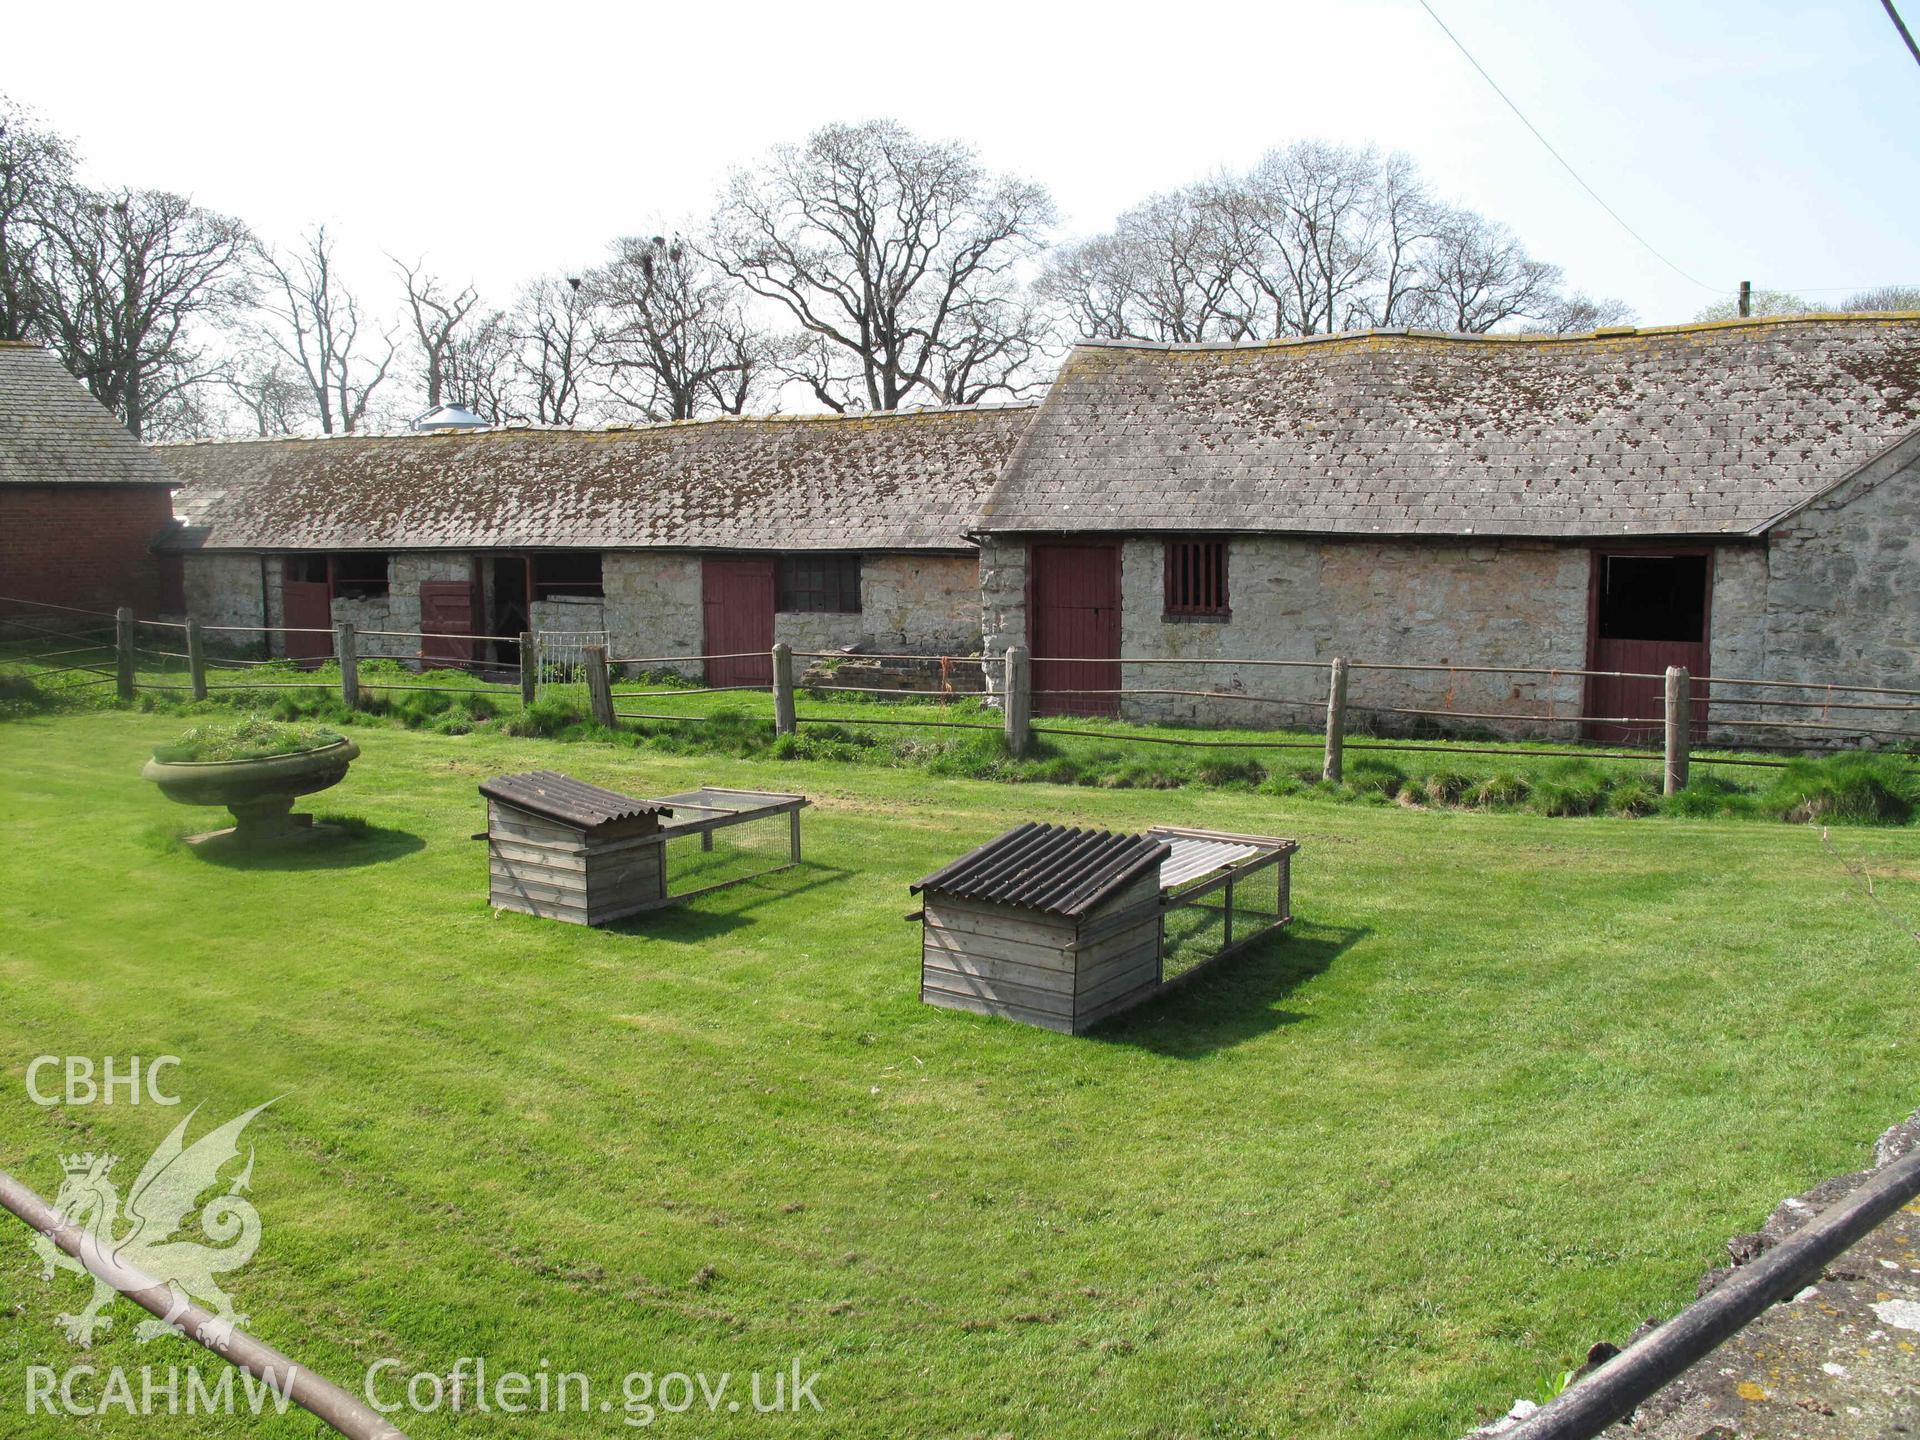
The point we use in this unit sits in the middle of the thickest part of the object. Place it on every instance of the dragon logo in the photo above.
(145, 1244)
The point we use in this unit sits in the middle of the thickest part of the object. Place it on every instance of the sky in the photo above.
(1771, 142)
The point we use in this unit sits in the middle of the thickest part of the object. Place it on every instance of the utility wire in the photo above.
(1901, 26)
(1565, 164)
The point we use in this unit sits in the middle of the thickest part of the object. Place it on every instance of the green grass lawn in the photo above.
(1503, 1091)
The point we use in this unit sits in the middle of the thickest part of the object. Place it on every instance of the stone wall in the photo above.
(227, 590)
(1484, 604)
(921, 604)
(1842, 600)
(652, 605)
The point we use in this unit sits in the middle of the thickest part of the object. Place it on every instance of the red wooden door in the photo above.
(1073, 605)
(1649, 611)
(737, 601)
(306, 608)
(446, 621)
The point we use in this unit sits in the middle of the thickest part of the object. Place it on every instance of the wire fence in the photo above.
(1335, 705)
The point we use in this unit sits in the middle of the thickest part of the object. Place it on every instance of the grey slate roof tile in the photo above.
(913, 480)
(52, 432)
(1689, 429)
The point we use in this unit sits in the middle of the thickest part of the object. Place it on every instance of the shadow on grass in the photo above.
(350, 843)
(703, 917)
(1236, 1000)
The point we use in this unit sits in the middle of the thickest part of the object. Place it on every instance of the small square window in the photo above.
(358, 575)
(820, 583)
(1197, 580)
(304, 569)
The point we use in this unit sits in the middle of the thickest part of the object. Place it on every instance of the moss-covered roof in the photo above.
(1697, 429)
(912, 480)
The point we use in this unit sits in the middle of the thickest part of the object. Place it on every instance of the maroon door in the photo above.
(306, 609)
(446, 621)
(1650, 610)
(1073, 603)
(736, 595)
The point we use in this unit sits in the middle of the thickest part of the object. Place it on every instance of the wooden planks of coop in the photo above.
(569, 851)
(1063, 928)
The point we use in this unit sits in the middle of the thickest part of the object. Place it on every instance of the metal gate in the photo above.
(1074, 605)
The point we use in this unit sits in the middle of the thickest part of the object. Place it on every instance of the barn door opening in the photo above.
(1073, 605)
(306, 609)
(1649, 611)
(736, 601)
(509, 606)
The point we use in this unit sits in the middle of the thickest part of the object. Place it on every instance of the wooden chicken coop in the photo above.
(565, 850)
(1063, 928)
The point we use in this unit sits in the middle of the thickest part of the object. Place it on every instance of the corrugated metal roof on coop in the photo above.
(1063, 928)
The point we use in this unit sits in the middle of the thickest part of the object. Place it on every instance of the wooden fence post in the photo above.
(599, 690)
(783, 715)
(1679, 727)
(196, 659)
(346, 648)
(123, 652)
(1336, 721)
(1018, 701)
(529, 667)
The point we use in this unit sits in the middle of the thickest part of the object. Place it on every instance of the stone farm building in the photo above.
(1742, 499)
(713, 537)
(80, 499)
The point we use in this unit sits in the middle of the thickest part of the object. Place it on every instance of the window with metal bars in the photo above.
(1197, 580)
(820, 583)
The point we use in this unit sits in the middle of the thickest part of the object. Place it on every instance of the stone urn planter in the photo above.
(260, 792)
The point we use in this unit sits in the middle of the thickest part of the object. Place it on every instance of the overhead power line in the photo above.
(1564, 162)
(1901, 26)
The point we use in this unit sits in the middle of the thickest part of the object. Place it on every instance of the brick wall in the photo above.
(85, 545)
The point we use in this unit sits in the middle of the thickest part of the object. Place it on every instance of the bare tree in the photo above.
(1317, 238)
(437, 313)
(133, 279)
(36, 177)
(319, 332)
(1480, 276)
(1174, 268)
(481, 366)
(678, 343)
(884, 247)
(269, 394)
(557, 347)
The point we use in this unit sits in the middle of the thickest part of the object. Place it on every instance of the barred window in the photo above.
(357, 575)
(1197, 580)
(820, 583)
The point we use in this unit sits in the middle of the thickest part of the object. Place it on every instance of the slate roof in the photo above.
(1054, 868)
(912, 480)
(1695, 430)
(52, 432)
